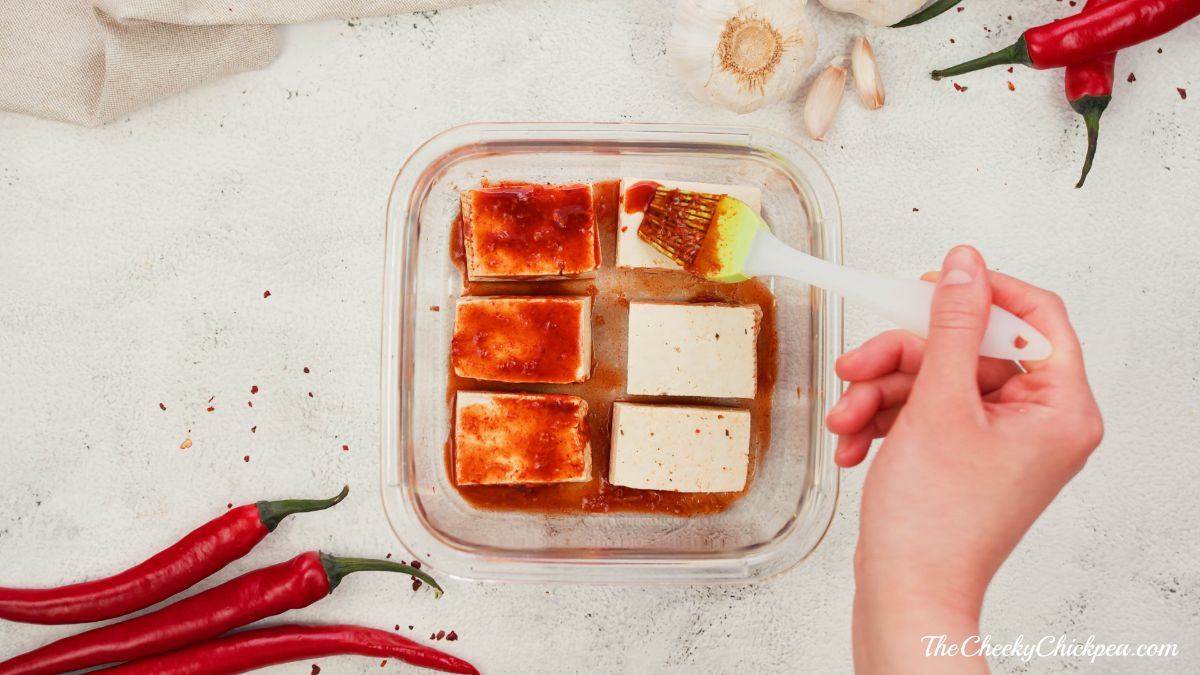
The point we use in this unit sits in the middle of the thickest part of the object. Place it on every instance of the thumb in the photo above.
(957, 321)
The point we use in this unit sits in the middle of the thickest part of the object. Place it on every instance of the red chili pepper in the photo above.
(256, 595)
(1089, 88)
(198, 555)
(1078, 38)
(252, 649)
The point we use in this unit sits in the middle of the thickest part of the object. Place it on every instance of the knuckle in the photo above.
(1092, 430)
(1054, 301)
(956, 314)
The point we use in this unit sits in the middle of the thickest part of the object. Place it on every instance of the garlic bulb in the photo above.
(741, 54)
(867, 79)
(824, 99)
(878, 12)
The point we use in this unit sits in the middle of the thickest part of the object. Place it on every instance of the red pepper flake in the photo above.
(434, 308)
(1160, 50)
(397, 626)
(254, 429)
(1131, 79)
(960, 8)
(210, 408)
(951, 40)
(1011, 86)
(625, 228)
(441, 634)
(254, 389)
(697, 431)
(1182, 92)
(306, 371)
(416, 564)
(433, 636)
(161, 406)
(229, 505)
(266, 294)
(383, 663)
(1010, 69)
(416, 585)
(210, 399)
(316, 670)
(388, 556)
(187, 443)
(916, 210)
(451, 636)
(345, 448)
(246, 458)
(958, 87)
(1071, 3)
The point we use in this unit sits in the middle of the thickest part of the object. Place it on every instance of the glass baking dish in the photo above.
(791, 503)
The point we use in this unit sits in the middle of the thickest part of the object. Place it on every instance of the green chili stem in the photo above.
(930, 11)
(1091, 107)
(337, 568)
(270, 513)
(1017, 52)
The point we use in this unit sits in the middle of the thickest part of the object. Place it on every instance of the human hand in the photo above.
(975, 450)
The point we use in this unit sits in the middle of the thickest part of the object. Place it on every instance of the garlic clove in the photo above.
(741, 54)
(867, 79)
(824, 98)
(878, 12)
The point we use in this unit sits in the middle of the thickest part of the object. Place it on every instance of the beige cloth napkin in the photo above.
(91, 61)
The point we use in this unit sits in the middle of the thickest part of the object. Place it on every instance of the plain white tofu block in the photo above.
(680, 349)
(633, 252)
(679, 448)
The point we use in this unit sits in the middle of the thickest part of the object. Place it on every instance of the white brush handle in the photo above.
(905, 302)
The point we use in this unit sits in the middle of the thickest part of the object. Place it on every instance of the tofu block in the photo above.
(681, 349)
(530, 439)
(635, 253)
(523, 231)
(679, 448)
(523, 339)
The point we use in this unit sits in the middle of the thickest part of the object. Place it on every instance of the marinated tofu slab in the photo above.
(634, 253)
(523, 339)
(528, 439)
(523, 231)
(682, 349)
(679, 448)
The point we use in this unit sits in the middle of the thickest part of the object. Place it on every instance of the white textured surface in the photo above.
(133, 261)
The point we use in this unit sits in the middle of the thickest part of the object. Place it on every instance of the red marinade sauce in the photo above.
(549, 434)
(511, 339)
(530, 230)
(638, 196)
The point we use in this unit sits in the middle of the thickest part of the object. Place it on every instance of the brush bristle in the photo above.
(676, 222)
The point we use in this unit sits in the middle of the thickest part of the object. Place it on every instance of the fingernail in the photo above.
(959, 267)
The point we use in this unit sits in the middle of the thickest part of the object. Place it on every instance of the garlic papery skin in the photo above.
(741, 54)
(867, 80)
(878, 12)
(824, 99)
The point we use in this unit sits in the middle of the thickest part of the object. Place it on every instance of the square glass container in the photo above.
(791, 502)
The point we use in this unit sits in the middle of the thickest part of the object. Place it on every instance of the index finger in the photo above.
(1045, 311)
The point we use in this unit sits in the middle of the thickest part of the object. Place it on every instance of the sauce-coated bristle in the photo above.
(676, 222)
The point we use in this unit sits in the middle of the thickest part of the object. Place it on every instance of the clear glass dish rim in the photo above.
(782, 552)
